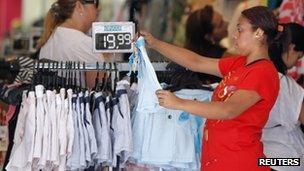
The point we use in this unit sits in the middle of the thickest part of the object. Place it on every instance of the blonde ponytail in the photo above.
(59, 12)
(50, 24)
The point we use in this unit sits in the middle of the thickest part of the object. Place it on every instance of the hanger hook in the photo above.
(85, 75)
(80, 75)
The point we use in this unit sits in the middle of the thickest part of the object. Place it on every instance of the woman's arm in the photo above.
(184, 57)
(240, 101)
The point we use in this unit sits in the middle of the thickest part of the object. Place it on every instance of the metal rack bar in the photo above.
(109, 66)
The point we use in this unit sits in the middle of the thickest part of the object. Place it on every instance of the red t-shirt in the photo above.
(234, 145)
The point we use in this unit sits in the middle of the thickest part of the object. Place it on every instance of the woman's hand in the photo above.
(150, 40)
(168, 100)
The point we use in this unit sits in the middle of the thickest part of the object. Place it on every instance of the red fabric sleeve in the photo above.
(261, 79)
(230, 63)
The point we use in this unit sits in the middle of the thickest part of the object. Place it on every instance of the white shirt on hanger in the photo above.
(73, 161)
(81, 135)
(70, 123)
(89, 127)
(20, 126)
(40, 114)
(87, 149)
(46, 137)
(121, 124)
(22, 154)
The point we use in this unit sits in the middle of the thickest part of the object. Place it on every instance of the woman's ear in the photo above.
(291, 47)
(259, 34)
(79, 8)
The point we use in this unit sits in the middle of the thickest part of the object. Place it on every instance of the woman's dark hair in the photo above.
(277, 37)
(198, 26)
(297, 35)
(60, 11)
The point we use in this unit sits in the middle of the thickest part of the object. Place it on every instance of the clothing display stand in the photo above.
(119, 66)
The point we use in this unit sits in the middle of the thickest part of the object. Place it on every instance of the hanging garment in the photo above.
(147, 80)
(98, 100)
(19, 130)
(133, 97)
(46, 137)
(12, 125)
(81, 136)
(132, 93)
(62, 103)
(12, 95)
(53, 155)
(73, 161)
(27, 70)
(40, 114)
(101, 126)
(55, 108)
(20, 126)
(62, 123)
(85, 131)
(22, 157)
(71, 132)
(121, 124)
(89, 127)
(169, 138)
(58, 123)
(70, 124)
(107, 120)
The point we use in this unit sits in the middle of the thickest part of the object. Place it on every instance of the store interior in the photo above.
(22, 25)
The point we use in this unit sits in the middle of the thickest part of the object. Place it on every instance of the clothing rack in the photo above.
(108, 66)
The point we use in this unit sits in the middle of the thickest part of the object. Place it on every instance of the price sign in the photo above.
(113, 37)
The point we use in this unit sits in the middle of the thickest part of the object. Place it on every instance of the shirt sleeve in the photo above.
(289, 102)
(227, 64)
(263, 80)
(298, 93)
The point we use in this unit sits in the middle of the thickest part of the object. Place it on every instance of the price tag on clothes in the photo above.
(113, 37)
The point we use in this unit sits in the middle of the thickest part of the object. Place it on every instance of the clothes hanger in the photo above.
(107, 86)
(79, 88)
(48, 77)
(33, 82)
(62, 80)
(42, 75)
(71, 75)
(116, 76)
(104, 76)
(55, 77)
(85, 77)
(75, 78)
(97, 77)
(67, 85)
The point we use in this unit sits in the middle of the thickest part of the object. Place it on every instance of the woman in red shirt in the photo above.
(242, 101)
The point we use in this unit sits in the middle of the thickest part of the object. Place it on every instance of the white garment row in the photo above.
(58, 131)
